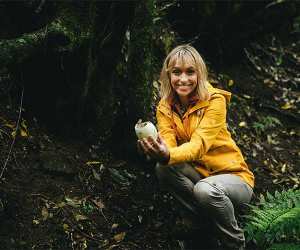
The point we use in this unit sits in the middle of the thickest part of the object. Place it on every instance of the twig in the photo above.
(14, 139)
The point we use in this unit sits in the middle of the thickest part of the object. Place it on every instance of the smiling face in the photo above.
(183, 79)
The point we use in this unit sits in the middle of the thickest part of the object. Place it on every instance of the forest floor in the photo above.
(63, 194)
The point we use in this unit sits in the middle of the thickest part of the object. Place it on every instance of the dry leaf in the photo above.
(80, 217)
(283, 168)
(119, 237)
(287, 106)
(99, 204)
(90, 163)
(243, 124)
(35, 222)
(66, 227)
(73, 202)
(140, 217)
(45, 213)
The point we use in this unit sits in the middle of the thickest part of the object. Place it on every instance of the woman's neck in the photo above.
(184, 101)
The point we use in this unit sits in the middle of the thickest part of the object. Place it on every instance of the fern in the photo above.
(284, 246)
(274, 219)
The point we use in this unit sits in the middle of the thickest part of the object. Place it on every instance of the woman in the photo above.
(198, 161)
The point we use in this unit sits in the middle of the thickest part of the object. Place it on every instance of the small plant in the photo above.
(266, 123)
(275, 219)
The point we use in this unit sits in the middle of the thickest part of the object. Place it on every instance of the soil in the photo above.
(62, 194)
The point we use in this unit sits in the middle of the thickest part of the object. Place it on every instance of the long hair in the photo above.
(184, 53)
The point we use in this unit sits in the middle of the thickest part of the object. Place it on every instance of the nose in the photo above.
(183, 77)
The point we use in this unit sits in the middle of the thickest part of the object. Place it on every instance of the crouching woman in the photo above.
(198, 161)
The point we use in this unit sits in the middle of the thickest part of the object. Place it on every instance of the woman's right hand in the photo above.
(156, 149)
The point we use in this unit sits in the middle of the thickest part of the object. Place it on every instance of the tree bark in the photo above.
(98, 98)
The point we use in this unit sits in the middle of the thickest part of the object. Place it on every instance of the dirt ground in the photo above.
(63, 194)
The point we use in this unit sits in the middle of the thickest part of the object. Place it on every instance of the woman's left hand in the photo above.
(157, 149)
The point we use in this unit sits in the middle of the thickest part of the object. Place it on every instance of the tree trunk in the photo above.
(98, 99)
(138, 91)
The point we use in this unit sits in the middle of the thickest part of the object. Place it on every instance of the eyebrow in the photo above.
(191, 67)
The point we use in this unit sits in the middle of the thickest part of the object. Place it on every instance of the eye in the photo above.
(176, 72)
(190, 72)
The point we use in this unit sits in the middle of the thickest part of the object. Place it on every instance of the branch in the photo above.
(14, 139)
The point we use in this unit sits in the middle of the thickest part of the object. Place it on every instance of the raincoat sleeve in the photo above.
(167, 132)
(205, 134)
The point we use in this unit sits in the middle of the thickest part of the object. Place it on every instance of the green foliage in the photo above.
(284, 246)
(16, 50)
(266, 123)
(275, 219)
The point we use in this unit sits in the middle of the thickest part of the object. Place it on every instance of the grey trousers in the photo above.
(216, 198)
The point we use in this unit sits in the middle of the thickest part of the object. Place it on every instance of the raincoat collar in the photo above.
(165, 105)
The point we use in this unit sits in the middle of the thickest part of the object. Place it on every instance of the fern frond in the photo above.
(275, 218)
(284, 246)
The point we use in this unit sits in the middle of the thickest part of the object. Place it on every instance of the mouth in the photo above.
(184, 85)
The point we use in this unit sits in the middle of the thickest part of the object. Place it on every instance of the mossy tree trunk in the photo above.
(138, 88)
(110, 21)
(141, 62)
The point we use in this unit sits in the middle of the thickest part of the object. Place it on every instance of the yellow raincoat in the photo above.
(201, 137)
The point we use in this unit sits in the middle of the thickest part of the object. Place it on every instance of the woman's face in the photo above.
(183, 78)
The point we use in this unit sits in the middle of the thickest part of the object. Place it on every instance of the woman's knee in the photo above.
(207, 195)
(162, 171)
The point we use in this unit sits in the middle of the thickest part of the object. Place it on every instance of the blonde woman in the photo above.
(198, 161)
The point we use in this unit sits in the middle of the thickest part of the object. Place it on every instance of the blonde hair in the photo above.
(184, 53)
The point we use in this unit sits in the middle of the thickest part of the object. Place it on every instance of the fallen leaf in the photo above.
(287, 106)
(119, 237)
(80, 217)
(99, 204)
(66, 227)
(45, 213)
(90, 163)
(24, 133)
(35, 222)
(61, 204)
(140, 217)
(247, 96)
(283, 168)
(96, 175)
(243, 124)
(73, 202)
(24, 130)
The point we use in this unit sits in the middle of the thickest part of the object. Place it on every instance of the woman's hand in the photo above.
(156, 149)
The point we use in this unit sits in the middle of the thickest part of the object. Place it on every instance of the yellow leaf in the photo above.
(24, 133)
(61, 204)
(66, 227)
(89, 163)
(35, 222)
(243, 124)
(23, 124)
(79, 217)
(287, 106)
(119, 237)
(13, 134)
(230, 82)
(45, 213)
(9, 125)
(73, 202)
(283, 168)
